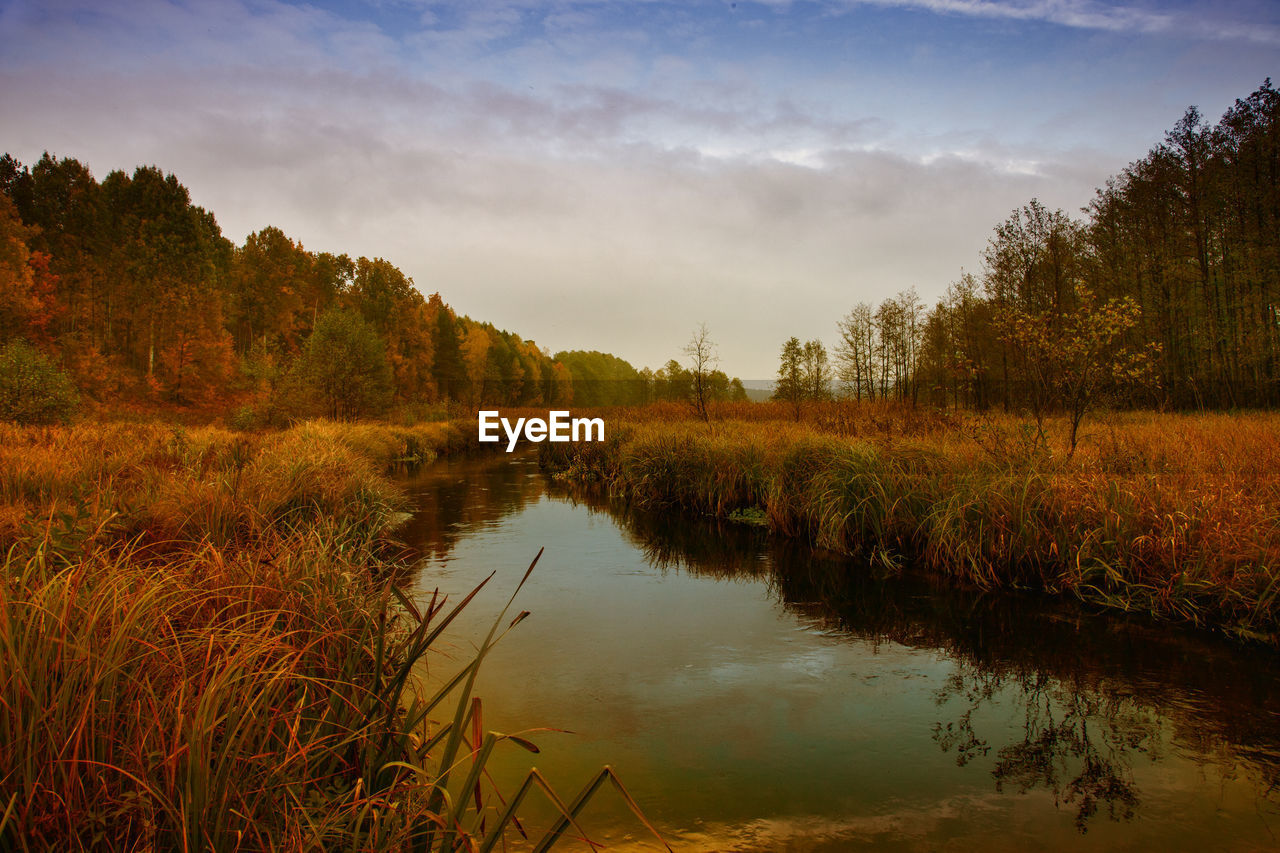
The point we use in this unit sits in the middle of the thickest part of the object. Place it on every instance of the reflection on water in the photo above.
(757, 695)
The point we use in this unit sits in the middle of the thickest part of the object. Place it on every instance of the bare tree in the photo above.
(853, 351)
(702, 359)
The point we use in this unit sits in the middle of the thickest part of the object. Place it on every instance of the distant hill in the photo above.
(759, 390)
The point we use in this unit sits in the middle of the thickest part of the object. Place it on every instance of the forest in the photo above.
(1165, 294)
(136, 297)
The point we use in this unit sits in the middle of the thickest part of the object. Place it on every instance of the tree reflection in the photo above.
(454, 495)
(1091, 694)
(1042, 696)
(1078, 742)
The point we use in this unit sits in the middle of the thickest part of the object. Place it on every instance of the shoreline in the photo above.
(1139, 531)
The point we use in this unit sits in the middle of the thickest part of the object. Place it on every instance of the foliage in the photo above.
(803, 374)
(142, 298)
(790, 385)
(1068, 360)
(32, 388)
(1182, 243)
(343, 369)
(601, 379)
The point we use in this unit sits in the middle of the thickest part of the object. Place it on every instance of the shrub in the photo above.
(32, 388)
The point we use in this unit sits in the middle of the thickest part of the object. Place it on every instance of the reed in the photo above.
(1177, 516)
(202, 647)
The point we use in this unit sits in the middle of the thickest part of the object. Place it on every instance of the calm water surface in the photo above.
(756, 695)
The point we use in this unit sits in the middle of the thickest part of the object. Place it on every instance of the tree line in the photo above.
(136, 294)
(601, 379)
(1165, 293)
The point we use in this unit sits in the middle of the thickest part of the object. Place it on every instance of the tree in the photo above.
(816, 370)
(474, 348)
(673, 382)
(1032, 266)
(343, 368)
(601, 379)
(853, 351)
(702, 356)
(790, 386)
(32, 389)
(19, 301)
(1072, 358)
(447, 366)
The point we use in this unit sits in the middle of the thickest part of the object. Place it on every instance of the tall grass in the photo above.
(202, 647)
(1173, 515)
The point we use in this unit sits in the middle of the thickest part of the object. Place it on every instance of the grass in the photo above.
(1177, 516)
(202, 647)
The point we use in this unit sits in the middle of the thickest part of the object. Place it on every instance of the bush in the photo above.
(32, 388)
(245, 419)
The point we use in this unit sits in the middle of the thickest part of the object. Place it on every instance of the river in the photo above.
(753, 694)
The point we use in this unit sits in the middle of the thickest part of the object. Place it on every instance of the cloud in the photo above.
(1090, 15)
(587, 191)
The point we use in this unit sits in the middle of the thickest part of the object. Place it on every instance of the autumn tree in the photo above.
(853, 352)
(1071, 357)
(274, 302)
(135, 290)
(20, 303)
(474, 347)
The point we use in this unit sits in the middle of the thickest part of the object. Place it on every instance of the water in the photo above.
(755, 695)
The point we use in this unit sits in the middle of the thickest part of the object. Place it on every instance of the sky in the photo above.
(608, 174)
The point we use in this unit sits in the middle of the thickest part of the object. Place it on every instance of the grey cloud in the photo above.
(583, 216)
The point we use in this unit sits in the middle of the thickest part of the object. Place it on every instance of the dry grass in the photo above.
(202, 648)
(1175, 515)
(91, 484)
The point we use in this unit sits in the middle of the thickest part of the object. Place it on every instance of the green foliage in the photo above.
(601, 379)
(342, 371)
(447, 368)
(32, 388)
(790, 387)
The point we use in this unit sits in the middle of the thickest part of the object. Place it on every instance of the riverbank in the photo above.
(201, 646)
(1177, 516)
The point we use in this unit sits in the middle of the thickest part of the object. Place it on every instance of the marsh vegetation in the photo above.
(204, 645)
(1176, 516)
